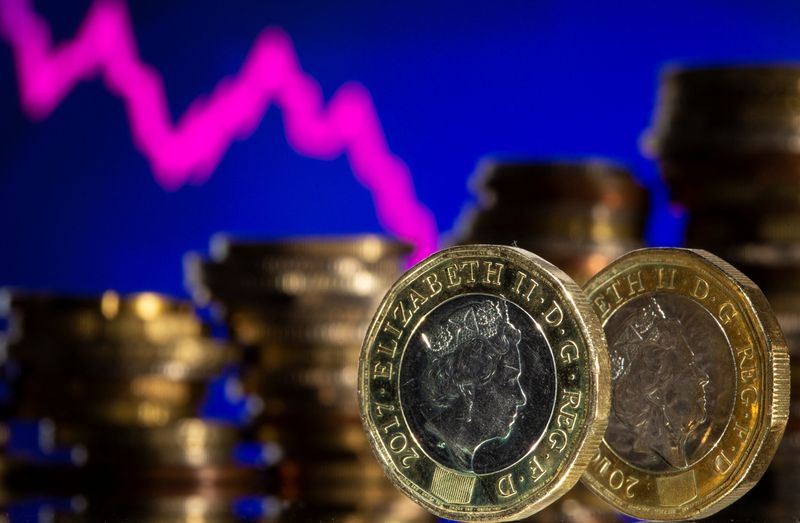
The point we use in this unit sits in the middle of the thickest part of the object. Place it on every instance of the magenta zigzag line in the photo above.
(191, 149)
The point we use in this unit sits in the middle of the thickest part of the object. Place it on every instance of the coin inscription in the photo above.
(673, 381)
(484, 383)
(700, 384)
(479, 379)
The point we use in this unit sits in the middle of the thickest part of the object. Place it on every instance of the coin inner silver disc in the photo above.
(673, 382)
(478, 383)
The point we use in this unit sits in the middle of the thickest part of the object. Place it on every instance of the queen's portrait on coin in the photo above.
(659, 391)
(471, 383)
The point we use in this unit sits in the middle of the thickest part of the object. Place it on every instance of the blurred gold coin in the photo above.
(181, 358)
(368, 247)
(185, 442)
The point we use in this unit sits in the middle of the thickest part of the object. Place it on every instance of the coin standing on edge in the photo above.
(700, 384)
(484, 383)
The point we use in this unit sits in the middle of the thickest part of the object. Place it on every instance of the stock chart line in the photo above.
(190, 149)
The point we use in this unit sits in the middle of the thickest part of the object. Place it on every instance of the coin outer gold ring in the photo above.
(751, 437)
(557, 460)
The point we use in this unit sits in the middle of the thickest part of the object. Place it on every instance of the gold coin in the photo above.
(263, 329)
(141, 400)
(584, 223)
(329, 392)
(304, 440)
(700, 384)
(483, 383)
(741, 180)
(144, 413)
(344, 266)
(173, 506)
(740, 108)
(274, 357)
(185, 442)
(717, 228)
(230, 281)
(85, 326)
(181, 358)
(368, 247)
(144, 306)
(593, 181)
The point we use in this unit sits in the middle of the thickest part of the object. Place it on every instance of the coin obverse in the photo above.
(700, 384)
(484, 383)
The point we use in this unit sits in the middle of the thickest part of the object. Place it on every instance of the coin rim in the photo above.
(776, 391)
(598, 405)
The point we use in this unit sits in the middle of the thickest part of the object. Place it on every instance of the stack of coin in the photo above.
(727, 140)
(118, 383)
(578, 215)
(728, 143)
(300, 309)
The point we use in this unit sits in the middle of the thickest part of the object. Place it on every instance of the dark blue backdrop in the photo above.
(451, 82)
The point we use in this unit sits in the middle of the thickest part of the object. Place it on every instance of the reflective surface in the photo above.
(673, 382)
(479, 383)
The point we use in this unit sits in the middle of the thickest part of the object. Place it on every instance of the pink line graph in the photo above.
(191, 149)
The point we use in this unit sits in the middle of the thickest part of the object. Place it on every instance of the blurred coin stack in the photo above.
(115, 385)
(577, 215)
(727, 140)
(300, 309)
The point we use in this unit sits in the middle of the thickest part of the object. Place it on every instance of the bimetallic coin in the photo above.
(483, 383)
(700, 384)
